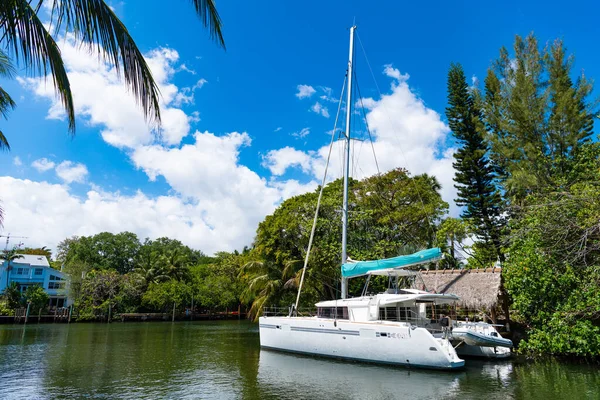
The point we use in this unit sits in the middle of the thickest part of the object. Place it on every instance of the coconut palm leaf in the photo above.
(7, 104)
(210, 18)
(25, 36)
(95, 24)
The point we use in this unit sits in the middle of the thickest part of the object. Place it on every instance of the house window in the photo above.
(55, 278)
(39, 271)
(55, 285)
(20, 271)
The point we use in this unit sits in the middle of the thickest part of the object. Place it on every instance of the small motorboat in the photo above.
(480, 335)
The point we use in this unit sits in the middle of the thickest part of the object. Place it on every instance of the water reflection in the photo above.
(223, 360)
(307, 377)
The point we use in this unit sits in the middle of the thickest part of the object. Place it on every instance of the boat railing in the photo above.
(415, 319)
(287, 312)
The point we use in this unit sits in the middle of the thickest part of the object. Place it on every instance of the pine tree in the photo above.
(570, 123)
(474, 178)
(537, 118)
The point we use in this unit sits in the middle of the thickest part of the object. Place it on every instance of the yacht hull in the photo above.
(375, 342)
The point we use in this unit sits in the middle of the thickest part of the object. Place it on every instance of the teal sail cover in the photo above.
(358, 268)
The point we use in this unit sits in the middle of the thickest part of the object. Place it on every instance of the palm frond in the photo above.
(25, 36)
(289, 268)
(258, 282)
(207, 11)
(7, 69)
(95, 24)
(4, 143)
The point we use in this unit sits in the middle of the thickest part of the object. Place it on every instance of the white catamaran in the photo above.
(392, 327)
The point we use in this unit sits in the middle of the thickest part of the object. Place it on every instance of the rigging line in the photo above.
(362, 106)
(429, 226)
(314, 226)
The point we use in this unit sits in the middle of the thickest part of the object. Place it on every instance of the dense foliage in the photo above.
(530, 132)
(116, 273)
(391, 214)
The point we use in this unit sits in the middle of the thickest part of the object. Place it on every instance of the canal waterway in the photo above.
(223, 360)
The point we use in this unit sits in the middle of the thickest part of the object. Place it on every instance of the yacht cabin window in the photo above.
(332, 312)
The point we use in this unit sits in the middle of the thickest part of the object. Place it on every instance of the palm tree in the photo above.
(92, 23)
(176, 264)
(9, 256)
(149, 268)
(267, 282)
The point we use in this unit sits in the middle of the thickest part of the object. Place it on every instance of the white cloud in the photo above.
(186, 94)
(17, 161)
(231, 198)
(71, 172)
(392, 72)
(319, 109)
(185, 68)
(327, 94)
(216, 202)
(43, 164)
(278, 129)
(305, 91)
(302, 134)
(47, 213)
(103, 101)
(293, 187)
(406, 134)
(278, 161)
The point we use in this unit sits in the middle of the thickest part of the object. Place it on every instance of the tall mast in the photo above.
(347, 163)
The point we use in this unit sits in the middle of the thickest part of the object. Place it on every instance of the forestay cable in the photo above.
(314, 226)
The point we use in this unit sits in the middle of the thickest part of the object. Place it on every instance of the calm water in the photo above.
(223, 360)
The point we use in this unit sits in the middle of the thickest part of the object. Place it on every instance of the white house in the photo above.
(35, 270)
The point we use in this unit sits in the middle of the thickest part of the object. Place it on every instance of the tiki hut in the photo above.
(478, 289)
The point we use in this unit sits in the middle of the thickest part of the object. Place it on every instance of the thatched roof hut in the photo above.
(477, 288)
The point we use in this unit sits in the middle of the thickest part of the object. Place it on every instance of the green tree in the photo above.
(475, 180)
(391, 214)
(553, 272)
(216, 285)
(37, 297)
(536, 116)
(9, 257)
(267, 283)
(104, 250)
(12, 294)
(450, 236)
(98, 292)
(149, 267)
(162, 296)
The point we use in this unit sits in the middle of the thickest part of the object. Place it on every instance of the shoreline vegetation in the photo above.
(528, 179)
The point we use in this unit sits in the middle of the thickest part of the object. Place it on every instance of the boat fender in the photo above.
(334, 324)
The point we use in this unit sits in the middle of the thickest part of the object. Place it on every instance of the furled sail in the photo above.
(352, 269)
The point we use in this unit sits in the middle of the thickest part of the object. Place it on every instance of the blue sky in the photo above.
(210, 190)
